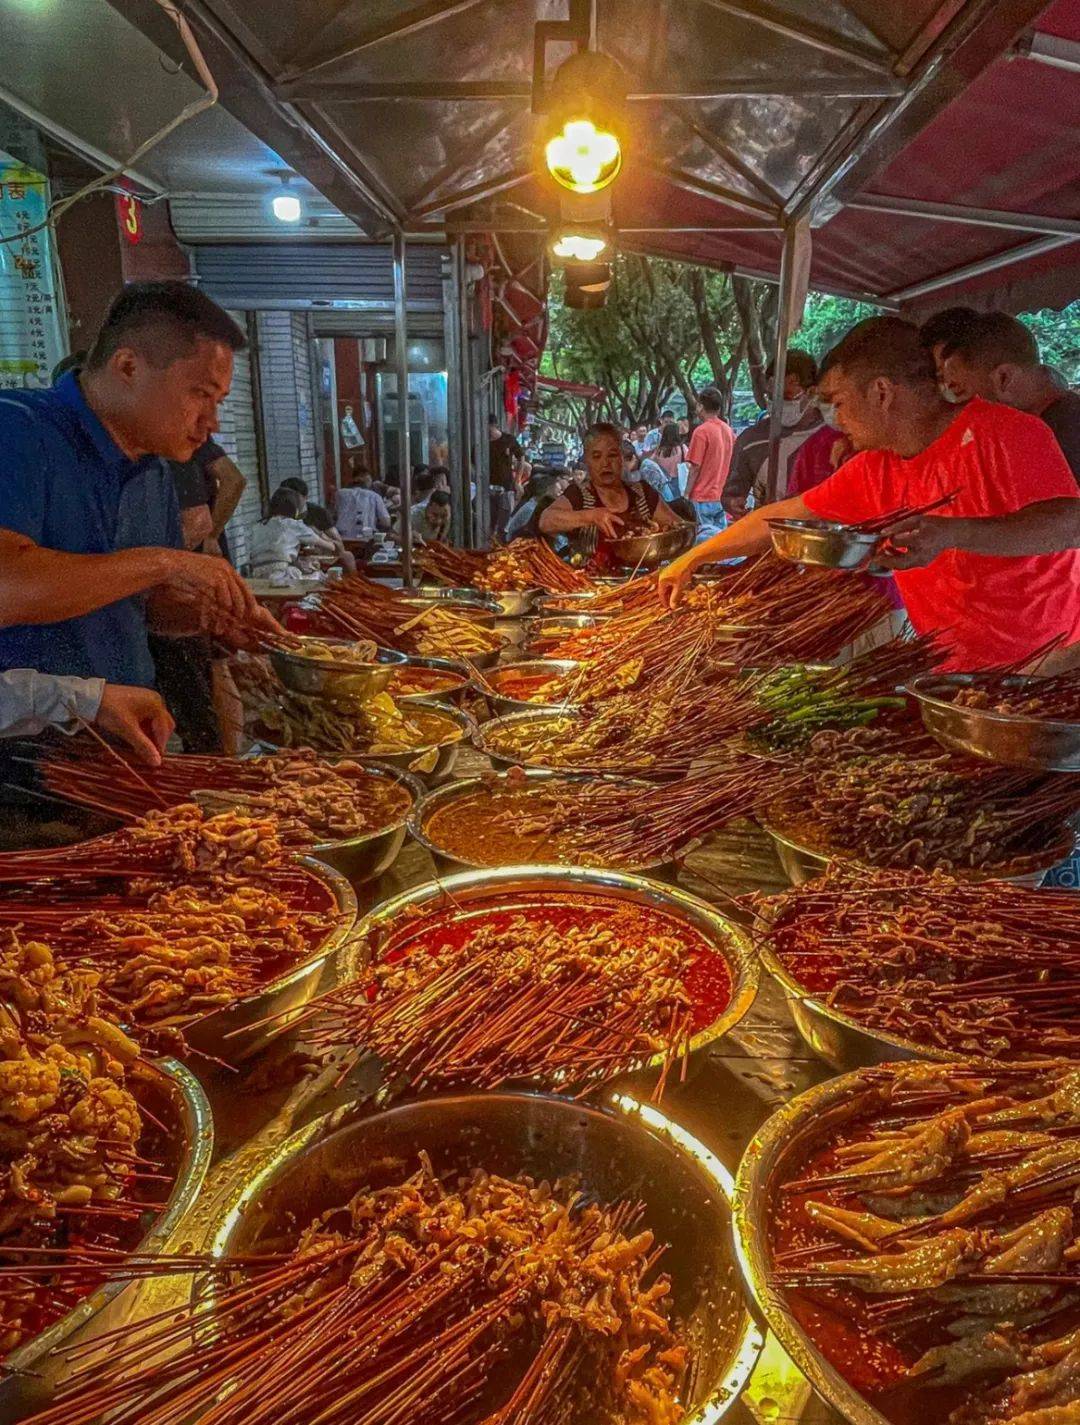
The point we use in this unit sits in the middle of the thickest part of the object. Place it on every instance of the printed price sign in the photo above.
(31, 332)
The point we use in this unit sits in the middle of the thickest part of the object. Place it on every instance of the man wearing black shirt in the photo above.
(504, 461)
(997, 358)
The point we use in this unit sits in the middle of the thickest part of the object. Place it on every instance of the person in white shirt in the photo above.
(278, 541)
(31, 701)
(360, 510)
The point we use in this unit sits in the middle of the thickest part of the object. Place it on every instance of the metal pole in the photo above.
(787, 275)
(455, 425)
(401, 353)
(980, 268)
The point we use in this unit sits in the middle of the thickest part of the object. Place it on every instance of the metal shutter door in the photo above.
(237, 436)
(333, 277)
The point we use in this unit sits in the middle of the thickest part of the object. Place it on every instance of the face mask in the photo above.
(951, 396)
(828, 413)
(791, 412)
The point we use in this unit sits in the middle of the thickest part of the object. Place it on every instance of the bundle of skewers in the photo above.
(986, 970)
(360, 608)
(310, 799)
(176, 915)
(922, 1234)
(524, 564)
(426, 1298)
(565, 992)
(889, 796)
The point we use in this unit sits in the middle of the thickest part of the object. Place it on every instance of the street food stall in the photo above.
(571, 1010)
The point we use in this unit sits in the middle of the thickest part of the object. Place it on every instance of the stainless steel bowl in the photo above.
(515, 603)
(547, 629)
(318, 678)
(467, 786)
(485, 739)
(433, 763)
(761, 1173)
(446, 695)
(466, 600)
(802, 863)
(471, 890)
(621, 1149)
(650, 551)
(580, 602)
(175, 1098)
(499, 705)
(364, 858)
(1006, 738)
(822, 543)
(237, 1030)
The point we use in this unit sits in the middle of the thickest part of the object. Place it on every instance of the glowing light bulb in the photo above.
(287, 208)
(583, 158)
(579, 248)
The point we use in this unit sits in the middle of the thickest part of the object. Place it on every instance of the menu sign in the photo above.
(31, 336)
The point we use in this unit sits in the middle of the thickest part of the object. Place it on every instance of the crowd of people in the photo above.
(118, 600)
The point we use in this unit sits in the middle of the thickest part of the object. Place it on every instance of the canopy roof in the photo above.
(746, 115)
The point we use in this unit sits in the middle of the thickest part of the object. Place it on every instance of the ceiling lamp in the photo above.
(582, 147)
(578, 246)
(287, 206)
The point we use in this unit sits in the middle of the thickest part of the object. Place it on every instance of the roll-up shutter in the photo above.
(329, 277)
(236, 436)
(285, 383)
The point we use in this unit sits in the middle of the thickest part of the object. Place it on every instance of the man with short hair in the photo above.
(89, 523)
(431, 520)
(913, 448)
(652, 438)
(997, 358)
(800, 418)
(505, 456)
(360, 510)
(709, 456)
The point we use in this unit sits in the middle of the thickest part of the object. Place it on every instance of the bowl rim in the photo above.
(834, 528)
(920, 690)
(383, 656)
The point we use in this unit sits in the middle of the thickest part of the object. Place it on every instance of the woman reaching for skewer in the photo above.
(606, 507)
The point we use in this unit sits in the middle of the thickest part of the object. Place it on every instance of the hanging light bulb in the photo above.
(286, 206)
(578, 247)
(582, 157)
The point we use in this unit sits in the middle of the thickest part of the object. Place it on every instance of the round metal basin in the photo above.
(439, 695)
(822, 543)
(650, 551)
(319, 678)
(1006, 738)
(621, 1149)
(499, 704)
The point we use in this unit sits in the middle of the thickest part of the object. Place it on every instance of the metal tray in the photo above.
(492, 887)
(823, 543)
(237, 1030)
(802, 863)
(175, 1097)
(619, 1149)
(1011, 740)
(466, 786)
(318, 678)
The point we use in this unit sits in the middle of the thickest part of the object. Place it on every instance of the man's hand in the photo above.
(138, 717)
(210, 584)
(197, 525)
(605, 521)
(736, 506)
(673, 581)
(916, 542)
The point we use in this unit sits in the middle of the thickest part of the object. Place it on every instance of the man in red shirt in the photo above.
(914, 447)
(710, 459)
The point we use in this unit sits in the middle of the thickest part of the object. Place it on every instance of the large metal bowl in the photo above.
(431, 764)
(1006, 738)
(760, 1175)
(802, 863)
(444, 695)
(823, 543)
(173, 1095)
(620, 1150)
(318, 678)
(464, 601)
(466, 786)
(650, 551)
(471, 890)
(364, 858)
(579, 602)
(485, 734)
(514, 603)
(239, 1029)
(548, 629)
(499, 705)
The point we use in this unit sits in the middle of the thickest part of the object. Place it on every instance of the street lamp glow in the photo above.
(287, 208)
(577, 247)
(582, 157)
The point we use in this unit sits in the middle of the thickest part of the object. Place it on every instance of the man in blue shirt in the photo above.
(89, 523)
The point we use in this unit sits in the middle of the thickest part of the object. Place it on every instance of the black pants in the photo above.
(185, 681)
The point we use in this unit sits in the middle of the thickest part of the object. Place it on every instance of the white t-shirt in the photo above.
(274, 546)
(360, 512)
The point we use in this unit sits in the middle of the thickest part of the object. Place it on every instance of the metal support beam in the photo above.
(980, 268)
(514, 91)
(813, 36)
(1054, 50)
(714, 191)
(973, 217)
(401, 354)
(727, 155)
(488, 189)
(430, 13)
(460, 520)
(490, 225)
(776, 410)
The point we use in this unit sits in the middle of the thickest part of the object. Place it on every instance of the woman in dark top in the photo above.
(606, 507)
